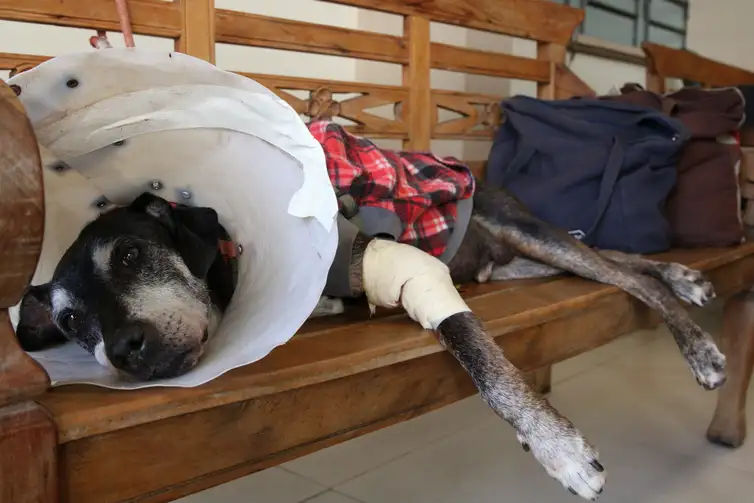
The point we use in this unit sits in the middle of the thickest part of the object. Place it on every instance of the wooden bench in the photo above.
(340, 377)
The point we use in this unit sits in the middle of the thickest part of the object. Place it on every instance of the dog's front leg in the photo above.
(552, 439)
(408, 277)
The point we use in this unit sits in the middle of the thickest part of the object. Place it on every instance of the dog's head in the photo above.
(132, 289)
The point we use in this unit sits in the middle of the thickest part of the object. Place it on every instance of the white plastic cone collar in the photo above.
(116, 120)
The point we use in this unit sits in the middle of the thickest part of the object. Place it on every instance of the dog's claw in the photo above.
(572, 491)
(525, 447)
(597, 466)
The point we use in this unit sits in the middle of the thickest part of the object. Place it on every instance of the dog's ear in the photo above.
(155, 207)
(36, 330)
(195, 231)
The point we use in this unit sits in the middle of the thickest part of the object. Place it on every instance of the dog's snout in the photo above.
(129, 344)
(138, 349)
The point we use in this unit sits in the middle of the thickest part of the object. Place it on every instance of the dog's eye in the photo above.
(70, 322)
(129, 256)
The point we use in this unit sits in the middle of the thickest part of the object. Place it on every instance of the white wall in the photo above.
(719, 29)
(723, 30)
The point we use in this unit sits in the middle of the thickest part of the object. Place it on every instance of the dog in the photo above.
(142, 287)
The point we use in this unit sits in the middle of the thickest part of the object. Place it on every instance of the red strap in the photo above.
(125, 22)
(100, 40)
(227, 249)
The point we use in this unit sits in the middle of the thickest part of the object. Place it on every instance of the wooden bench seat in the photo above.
(336, 379)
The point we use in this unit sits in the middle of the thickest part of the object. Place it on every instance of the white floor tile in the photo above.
(269, 486)
(586, 361)
(487, 465)
(708, 318)
(651, 397)
(331, 497)
(696, 481)
(466, 466)
(345, 461)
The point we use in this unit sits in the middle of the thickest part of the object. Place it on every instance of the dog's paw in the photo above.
(567, 457)
(688, 284)
(707, 363)
(328, 306)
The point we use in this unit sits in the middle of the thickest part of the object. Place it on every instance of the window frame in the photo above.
(640, 18)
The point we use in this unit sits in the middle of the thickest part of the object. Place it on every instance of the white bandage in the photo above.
(396, 273)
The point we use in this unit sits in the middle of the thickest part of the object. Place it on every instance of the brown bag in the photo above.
(704, 207)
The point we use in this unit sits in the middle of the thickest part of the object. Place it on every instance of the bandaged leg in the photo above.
(398, 274)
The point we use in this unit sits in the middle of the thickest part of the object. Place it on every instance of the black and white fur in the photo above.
(139, 287)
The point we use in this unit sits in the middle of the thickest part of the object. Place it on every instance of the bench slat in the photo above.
(667, 62)
(233, 27)
(461, 59)
(148, 17)
(540, 20)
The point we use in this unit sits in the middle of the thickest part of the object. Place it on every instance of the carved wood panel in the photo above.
(357, 103)
(478, 115)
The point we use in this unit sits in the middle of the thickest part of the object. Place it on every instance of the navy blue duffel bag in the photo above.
(601, 170)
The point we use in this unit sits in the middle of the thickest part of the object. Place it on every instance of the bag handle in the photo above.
(668, 105)
(607, 185)
(523, 155)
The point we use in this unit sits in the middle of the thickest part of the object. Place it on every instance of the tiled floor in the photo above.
(634, 399)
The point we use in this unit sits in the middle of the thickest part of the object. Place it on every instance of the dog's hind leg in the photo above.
(511, 222)
(687, 284)
(521, 268)
(328, 306)
(553, 440)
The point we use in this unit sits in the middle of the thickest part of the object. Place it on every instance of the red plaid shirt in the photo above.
(422, 189)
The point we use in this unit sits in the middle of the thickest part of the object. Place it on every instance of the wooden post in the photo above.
(728, 426)
(418, 113)
(198, 34)
(541, 379)
(654, 82)
(28, 436)
(28, 454)
(555, 54)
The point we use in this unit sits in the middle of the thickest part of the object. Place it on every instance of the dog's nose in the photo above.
(128, 343)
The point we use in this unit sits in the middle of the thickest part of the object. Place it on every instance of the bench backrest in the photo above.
(665, 63)
(196, 26)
